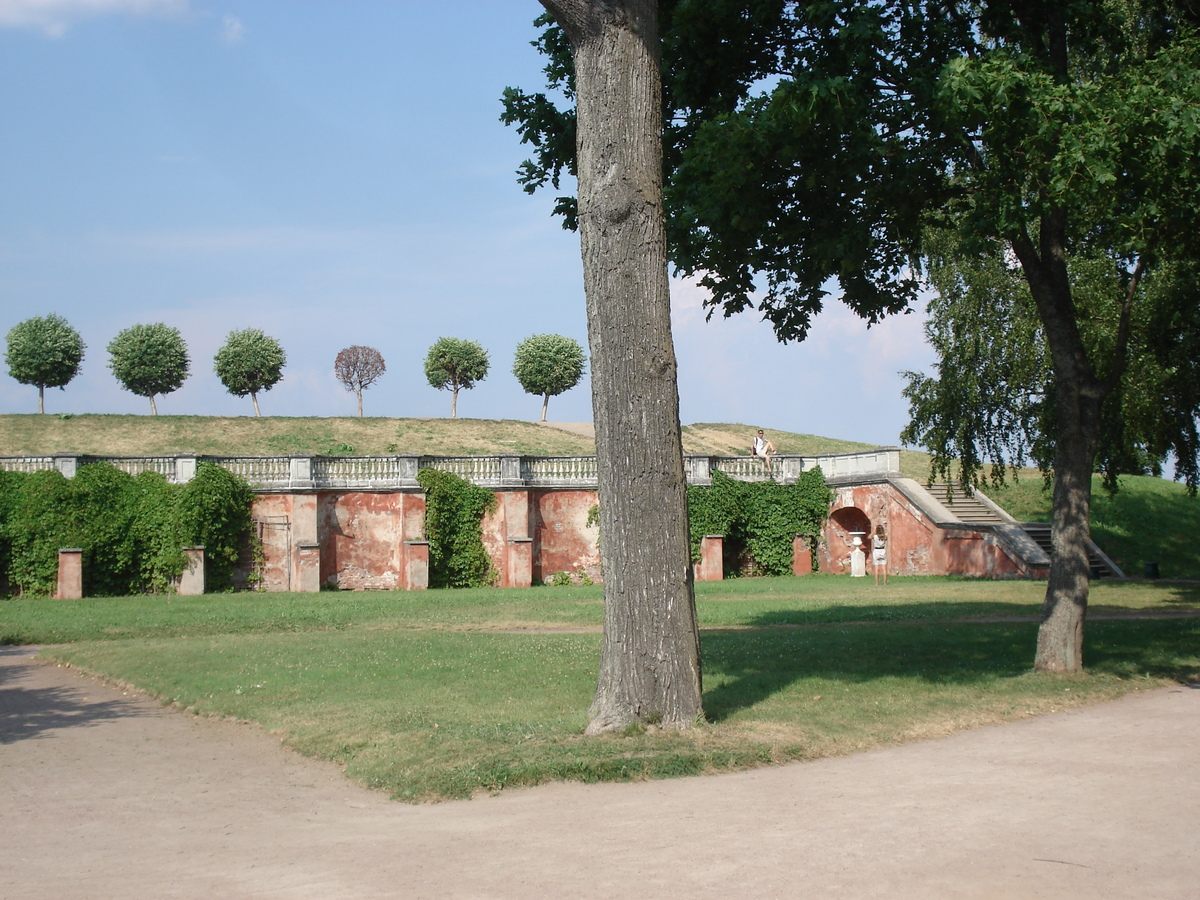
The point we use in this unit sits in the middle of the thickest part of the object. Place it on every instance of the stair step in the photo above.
(954, 497)
(1040, 532)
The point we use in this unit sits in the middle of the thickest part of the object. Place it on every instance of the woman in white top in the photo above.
(879, 553)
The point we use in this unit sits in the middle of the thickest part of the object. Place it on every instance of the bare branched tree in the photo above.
(358, 368)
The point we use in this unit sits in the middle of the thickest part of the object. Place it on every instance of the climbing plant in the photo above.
(214, 513)
(454, 509)
(131, 530)
(761, 517)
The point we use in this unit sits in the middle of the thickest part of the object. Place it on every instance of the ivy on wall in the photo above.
(761, 518)
(454, 510)
(132, 530)
(214, 513)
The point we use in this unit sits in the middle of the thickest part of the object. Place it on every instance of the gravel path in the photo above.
(111, 796)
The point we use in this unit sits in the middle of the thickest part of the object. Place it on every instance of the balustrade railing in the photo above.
(136, 465)
(272, 473)
(558, 469)
(26, 464)
(476, 469)
(259, 471)
(356, 470)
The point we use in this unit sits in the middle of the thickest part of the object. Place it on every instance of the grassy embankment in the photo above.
(434, 695)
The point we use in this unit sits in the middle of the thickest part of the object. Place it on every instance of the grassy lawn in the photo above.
(439, 694)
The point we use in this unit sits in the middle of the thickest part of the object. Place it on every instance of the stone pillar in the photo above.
(801, 557)
(416, 565)
(518, 550)
(308, 568)
(185, 469)
(712, 558)
(191, 582)
(67, 465)
(306, 546)
(300, 472)
(407, 466)
(70, 574)
(510, 469)
(515, 505)
(698, 469)
(519, 563)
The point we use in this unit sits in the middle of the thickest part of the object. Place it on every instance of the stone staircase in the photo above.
(976, 509)
(1101, 565)
(969, 508)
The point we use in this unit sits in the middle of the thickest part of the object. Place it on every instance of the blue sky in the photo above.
(336, 174)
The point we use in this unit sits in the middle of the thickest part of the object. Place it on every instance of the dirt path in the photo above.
(108, 796)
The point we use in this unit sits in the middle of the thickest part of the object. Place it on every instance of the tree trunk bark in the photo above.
(153, 406)
(1064, 610)
(254, 400)
(359, 395)
(1079, 395)
(454, 403)
(650, 660)
(42, 399)
(545, 404)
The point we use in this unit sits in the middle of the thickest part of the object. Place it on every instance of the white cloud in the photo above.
(232, 29)
(54, 17)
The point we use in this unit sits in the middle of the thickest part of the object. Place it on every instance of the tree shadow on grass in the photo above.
(931, 611)
(30, 711)
(754, 664)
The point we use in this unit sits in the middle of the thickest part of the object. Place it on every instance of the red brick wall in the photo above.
(361, 536)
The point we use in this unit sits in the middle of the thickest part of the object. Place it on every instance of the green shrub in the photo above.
(40, 520)
(215, 513)
(131, 530)
(761, 518)
(454, 509)
(105, 505)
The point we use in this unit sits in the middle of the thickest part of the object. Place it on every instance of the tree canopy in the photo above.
(357, 368)
(149, 360)
(250, 362)
(454, 364)
(548, 364)
(812, 147)
(989, 404)
(44, 351)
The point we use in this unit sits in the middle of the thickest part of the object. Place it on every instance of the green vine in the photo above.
(214, 513)
(760, 518)
(131, 530)
(454, 509)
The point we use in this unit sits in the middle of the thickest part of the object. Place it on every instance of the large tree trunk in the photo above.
(41, 398)
(1064, 610)
(1078, 400)
(650, 661)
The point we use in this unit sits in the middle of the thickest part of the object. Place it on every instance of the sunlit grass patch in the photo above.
(436, 714)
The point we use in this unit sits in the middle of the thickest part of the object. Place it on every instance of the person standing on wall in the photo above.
(879, 552)
(763, 448)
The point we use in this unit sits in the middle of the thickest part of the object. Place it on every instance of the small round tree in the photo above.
(149, 360)
(44, 352)
(358, 368)
(453, 364)
(549, 364)
(249, 362)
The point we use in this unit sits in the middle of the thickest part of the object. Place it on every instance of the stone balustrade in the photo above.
(392, 473)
